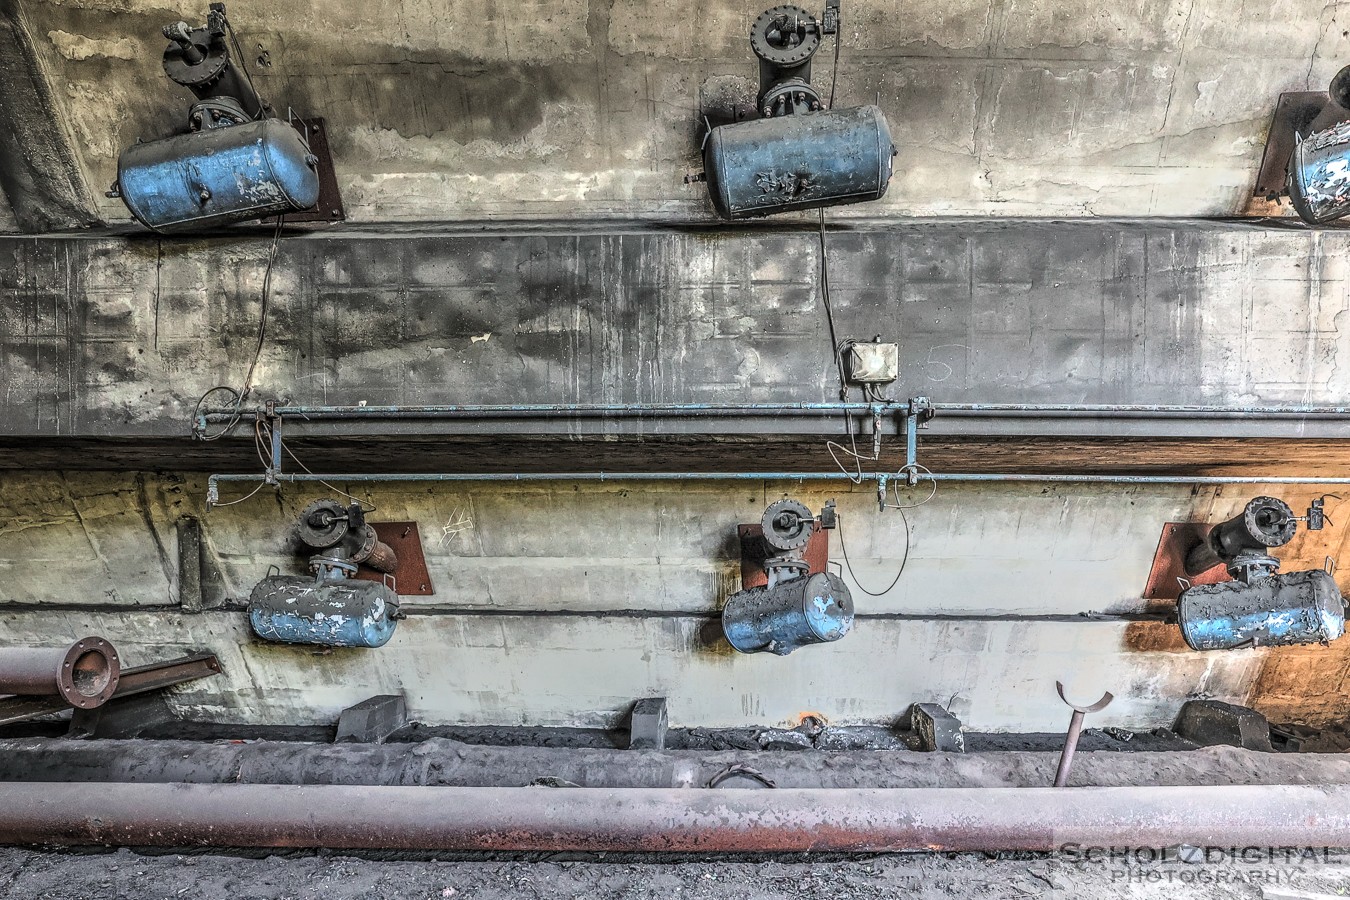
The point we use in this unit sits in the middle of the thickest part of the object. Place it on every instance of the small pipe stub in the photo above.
(85, 674)
(89, 673)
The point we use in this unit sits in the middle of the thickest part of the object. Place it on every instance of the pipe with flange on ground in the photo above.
(658, 820)
(85, 674)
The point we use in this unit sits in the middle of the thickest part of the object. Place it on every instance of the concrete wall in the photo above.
(120, 336)
(560, 604)
(591, 109)
(7, 222)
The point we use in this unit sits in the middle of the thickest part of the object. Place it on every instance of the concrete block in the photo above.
(373, 720)
(938, 729)
(647, 731)
(1210, 722)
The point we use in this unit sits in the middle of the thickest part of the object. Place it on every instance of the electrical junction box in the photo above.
(872, 362)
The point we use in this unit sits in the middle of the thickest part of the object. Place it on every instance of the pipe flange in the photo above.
(322, 524)
(787, 524)
(89, 673)
(196, 75)
(781, 36)
(1269, 521)
(790, 96)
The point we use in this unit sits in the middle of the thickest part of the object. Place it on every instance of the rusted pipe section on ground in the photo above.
(440, 762)
(85, 674)
(655, 820)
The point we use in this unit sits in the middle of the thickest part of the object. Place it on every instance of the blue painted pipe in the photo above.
(812, 610)
(802, 161)
(218, 176)
(1278, 611)
(295, 609)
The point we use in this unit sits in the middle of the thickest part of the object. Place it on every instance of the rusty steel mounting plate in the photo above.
(329, 208)
(1294, 113)
(1169, 561)
(411, 578)
(816, 552)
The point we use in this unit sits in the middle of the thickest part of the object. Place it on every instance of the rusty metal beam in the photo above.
(136, 680)
(656, 820)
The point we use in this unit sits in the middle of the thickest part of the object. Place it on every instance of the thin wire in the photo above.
(829, 308)
(241, 394)
(895, 485)
(834, 75)
(825, 256)
(364, 503)
(266, 304)
(243, 64)
(903, 560)
(248, 496)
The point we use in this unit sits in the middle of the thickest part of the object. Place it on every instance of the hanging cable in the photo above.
(825, 258)
(243, 65)
(904, 560)
(241, 394)
(366, 505)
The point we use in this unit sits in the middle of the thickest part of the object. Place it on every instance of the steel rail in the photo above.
(664, 820)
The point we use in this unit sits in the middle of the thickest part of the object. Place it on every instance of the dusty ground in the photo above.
(27, 874)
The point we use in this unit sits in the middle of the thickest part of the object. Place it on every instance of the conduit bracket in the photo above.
(917, 416)
(274, 429)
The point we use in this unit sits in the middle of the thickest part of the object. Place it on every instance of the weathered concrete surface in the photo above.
(591, 109)
(573, 670)
(534, 622)
(118, 337)
(7, 220)
(109, 541)
(43, 184)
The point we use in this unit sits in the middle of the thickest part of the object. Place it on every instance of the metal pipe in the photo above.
(663, 820)
(1143, 409)
(522, 410)
(214, 481)
(735, 409)
(85, 674)
(445, 762)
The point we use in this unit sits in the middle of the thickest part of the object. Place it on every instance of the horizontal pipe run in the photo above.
(214, 481)
(446, 762)
(663, 820)
(694, 410)
(1144, 410)
(527, 410)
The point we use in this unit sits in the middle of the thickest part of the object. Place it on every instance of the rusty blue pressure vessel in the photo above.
(345, 612)
(802, 161)
(813, 609)
(1276, 611)
(1319, 175)
(217, 176)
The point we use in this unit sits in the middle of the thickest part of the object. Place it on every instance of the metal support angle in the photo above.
(133, 681)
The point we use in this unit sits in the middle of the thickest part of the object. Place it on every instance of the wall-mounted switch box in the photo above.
(871, 362)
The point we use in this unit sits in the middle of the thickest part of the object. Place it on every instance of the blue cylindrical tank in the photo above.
(342, 613)
(1280, 610)
(218, 175)
(1319, 175)
(791, 614)
(801, 161)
